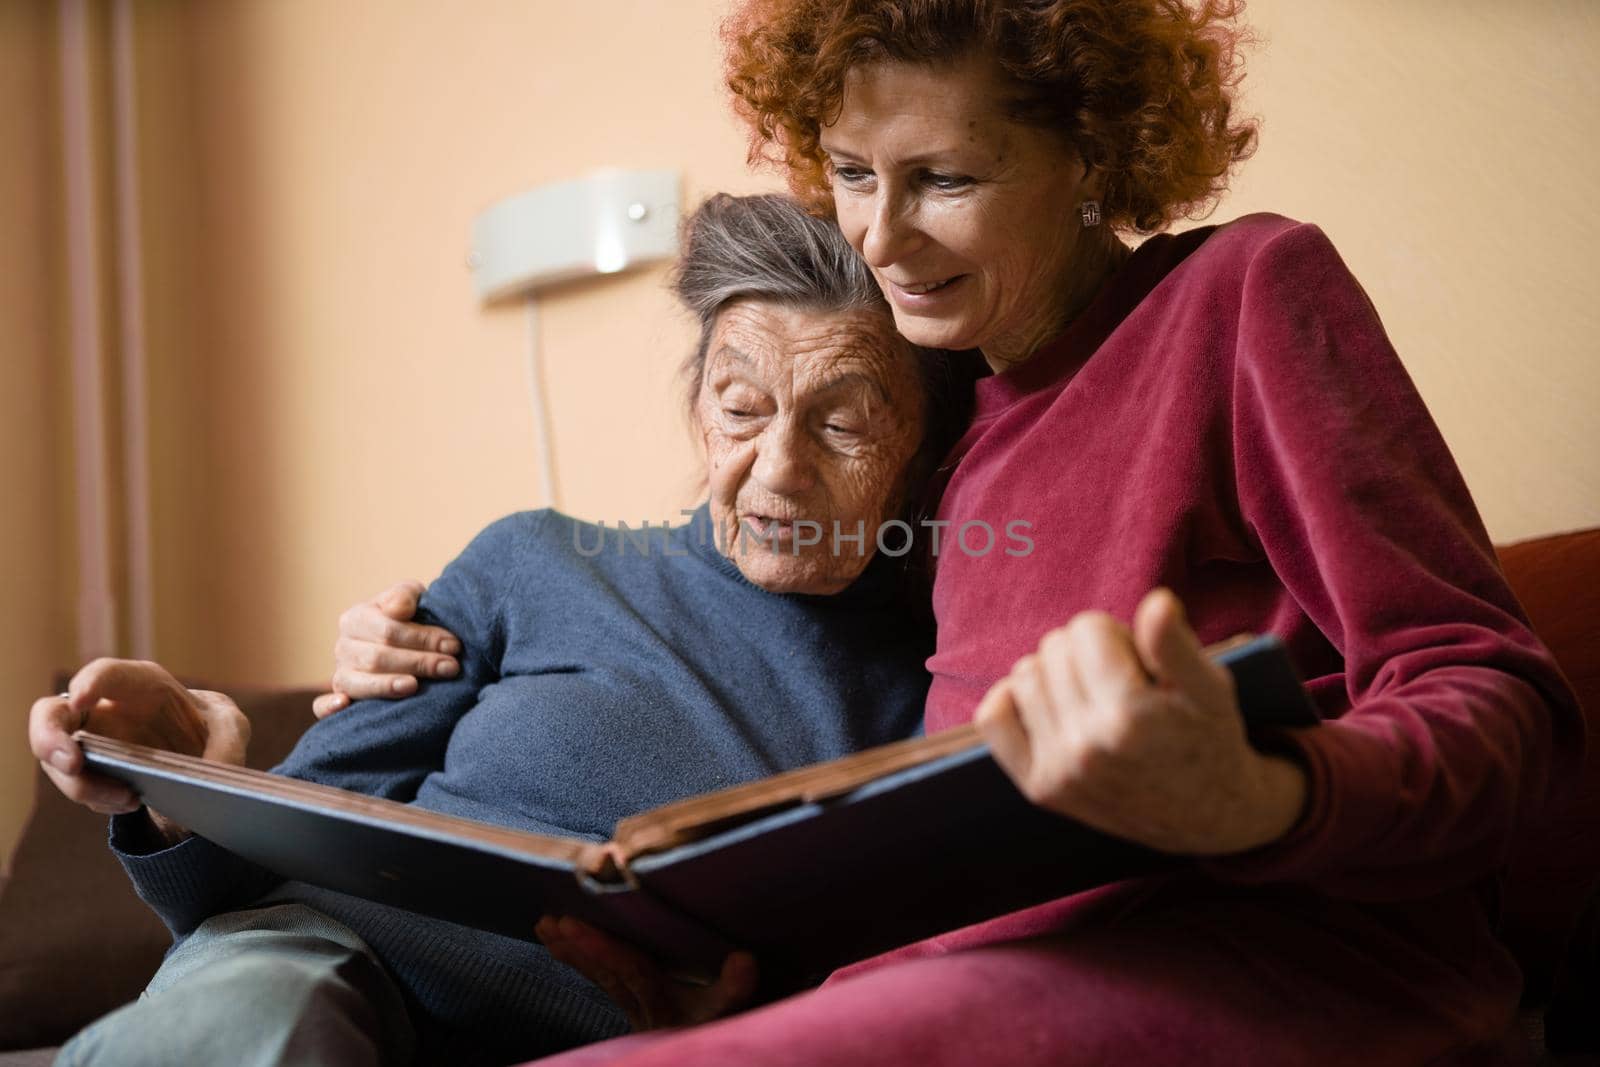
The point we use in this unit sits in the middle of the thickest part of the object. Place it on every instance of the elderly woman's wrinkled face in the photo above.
(968, 218)
(810, 421)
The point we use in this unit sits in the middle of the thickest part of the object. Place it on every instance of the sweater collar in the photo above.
(1059, 359)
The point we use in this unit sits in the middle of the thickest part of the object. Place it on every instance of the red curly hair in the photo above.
(1142, 89)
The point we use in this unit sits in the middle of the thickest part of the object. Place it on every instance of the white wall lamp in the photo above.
(606, 223)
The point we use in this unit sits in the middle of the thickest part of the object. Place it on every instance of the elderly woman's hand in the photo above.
(1139, 734)
(380, 653)
(650, 998)
(138, 702)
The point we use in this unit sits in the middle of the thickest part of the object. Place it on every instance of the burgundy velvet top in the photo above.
(1229, 419)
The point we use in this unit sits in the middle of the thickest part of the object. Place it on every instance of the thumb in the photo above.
(399, 602)
(227, 728)
(1171, 651)
(1000, 724)
(50, 725)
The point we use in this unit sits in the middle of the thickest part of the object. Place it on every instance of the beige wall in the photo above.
(333, 410)
(1449, 152)
(362, 416)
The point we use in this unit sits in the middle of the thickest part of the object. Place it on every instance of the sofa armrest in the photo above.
(1556, 864)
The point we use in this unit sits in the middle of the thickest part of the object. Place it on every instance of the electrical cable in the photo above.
(541, 411)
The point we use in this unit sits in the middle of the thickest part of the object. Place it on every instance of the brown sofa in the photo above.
(75, 942)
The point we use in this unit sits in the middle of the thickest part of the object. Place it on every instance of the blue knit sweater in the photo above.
(602, 674)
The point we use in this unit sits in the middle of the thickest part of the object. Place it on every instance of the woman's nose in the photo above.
(783, 462)
(891, 232)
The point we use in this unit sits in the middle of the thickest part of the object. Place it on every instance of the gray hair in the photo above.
(764, 247)
(767, 247)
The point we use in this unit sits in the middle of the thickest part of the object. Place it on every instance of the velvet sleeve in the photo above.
(1458, 723)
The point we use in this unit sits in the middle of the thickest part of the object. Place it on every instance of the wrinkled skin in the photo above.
(1134, 731)
(138, 701)
(805, 416)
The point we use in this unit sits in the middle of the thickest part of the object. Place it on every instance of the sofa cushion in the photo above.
(75, 942)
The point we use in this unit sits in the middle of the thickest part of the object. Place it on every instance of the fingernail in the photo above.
(450, 646)
(448, 668)
(62, 759)
(400, 685)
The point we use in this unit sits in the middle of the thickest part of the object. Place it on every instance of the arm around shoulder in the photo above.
(387, 747)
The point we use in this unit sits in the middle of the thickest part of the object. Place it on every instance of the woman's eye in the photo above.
(850, 175)
(840, 429)
(946, 182)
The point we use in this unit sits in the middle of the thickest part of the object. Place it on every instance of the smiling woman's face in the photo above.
(968, 218)
(806, 416)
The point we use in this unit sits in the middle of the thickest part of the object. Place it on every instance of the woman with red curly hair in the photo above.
(1206, 434)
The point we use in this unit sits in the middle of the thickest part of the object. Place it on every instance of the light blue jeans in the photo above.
(274, 985)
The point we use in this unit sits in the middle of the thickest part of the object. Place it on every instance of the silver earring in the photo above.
(1090, 212)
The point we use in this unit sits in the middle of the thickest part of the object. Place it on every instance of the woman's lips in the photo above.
(769, 527)
(922, 296)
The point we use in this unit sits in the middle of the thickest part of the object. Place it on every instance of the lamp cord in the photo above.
(541, 413)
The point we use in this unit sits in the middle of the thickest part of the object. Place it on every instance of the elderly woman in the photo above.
(1209, 433)
(599, 676)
